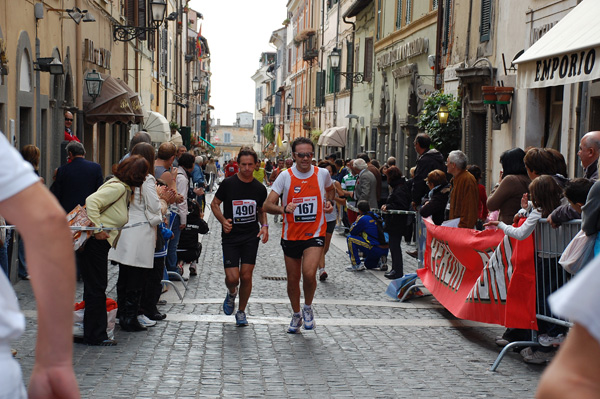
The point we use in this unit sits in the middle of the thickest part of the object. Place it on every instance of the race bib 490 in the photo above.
(244, 211)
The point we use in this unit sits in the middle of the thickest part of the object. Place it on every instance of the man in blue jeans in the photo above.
(366, 236)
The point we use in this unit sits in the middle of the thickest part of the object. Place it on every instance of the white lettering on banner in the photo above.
(445, 266)
(403, 52)
(567, 65)
(491, 286)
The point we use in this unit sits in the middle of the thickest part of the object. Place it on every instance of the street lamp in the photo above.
(443, 114)
(127, 33)
(49, 64)
(195, 83)
(93, 84)
(334, 58)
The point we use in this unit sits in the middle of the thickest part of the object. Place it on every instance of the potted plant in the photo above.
(315, 134)
(445, 137)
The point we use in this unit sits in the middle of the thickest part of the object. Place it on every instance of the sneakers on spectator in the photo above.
(145, 321)
(78, 330)
(193, 269)
(322, 274)
(546, 340)
(240, 319)
(382, 265)
(413, 254)
(500, 341)
(356, 268)
(536, 357)
(229, 303)
(295, 324)
(308, 317)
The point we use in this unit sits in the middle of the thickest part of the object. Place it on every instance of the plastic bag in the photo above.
(111, 318)
(578, 253)
(398, 287)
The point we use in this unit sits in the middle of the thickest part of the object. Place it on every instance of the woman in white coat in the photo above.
(135, 252)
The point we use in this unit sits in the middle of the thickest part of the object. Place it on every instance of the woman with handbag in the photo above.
(135, 252)
(107, 207)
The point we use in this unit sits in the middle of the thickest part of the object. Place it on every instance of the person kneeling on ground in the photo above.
(366, 236)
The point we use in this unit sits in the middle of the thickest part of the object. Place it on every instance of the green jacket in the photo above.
(109, 207)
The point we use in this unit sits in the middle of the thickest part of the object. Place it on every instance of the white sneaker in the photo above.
(145, 321)
(546, 340)
(78, 330)
(357, 268)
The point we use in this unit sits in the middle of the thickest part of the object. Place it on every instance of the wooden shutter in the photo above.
(446, 28)
(318, 96)
(486, 19)
(164, 50)
(368, 59)
(349, 63)
(399, 13)
(409, 7)
(142, 14)
(130, 11)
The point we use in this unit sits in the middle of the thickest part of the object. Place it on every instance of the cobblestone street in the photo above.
(365, 344)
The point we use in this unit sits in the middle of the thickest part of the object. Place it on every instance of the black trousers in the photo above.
(396, 252)
(131, 279)
(153, 288)
(94, 272)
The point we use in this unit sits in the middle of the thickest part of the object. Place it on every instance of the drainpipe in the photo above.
(322, 55)
(352, 85)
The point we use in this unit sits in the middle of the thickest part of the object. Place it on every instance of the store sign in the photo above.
(404, 71)
(573, 67)
(97, 56)
(403, 52)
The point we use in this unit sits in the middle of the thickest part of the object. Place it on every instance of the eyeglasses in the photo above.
(304, 154)
(68, 120)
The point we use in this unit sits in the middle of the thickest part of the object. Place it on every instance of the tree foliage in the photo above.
(445, 138)
(269, 132)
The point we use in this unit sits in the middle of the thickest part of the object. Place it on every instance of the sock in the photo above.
(306, 307)
(297, 314)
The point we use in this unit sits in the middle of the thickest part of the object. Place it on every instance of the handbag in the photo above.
(78, 217)
(578, 253)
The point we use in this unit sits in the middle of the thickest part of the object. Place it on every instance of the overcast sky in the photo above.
(238, 31)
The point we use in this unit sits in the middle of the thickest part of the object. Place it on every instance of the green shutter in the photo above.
(349, 63)
(486, 19)
(319, 95)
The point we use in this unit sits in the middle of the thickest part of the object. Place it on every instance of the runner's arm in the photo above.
(215, 207)
(264, 225)
(271, 205)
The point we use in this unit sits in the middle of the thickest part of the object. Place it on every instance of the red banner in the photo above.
(481, 275)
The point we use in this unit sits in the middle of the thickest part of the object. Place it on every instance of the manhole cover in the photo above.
(274, 278)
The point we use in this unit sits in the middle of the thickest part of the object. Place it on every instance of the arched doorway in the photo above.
(25, 95)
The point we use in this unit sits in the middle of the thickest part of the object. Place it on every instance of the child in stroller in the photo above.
(189, 248)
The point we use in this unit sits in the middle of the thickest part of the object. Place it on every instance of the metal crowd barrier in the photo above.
(550, 276)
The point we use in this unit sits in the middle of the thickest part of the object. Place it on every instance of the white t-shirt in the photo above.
(578, 300)
(283, 181)
(16, 175)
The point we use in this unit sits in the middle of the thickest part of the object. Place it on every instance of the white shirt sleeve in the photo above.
(281, 182)
(523, 231)
(578, 299)
(16, 174)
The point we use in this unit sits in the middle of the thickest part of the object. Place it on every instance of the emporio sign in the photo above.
(403, 52)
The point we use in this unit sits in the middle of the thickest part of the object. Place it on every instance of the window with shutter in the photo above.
(141, 10)
(379, 16)
(349, 63)
(434, 5)
(486, 19)
(446, 27)
(164, 50)
(130, 12)
(408, 15)
(318, 94)
(398, 14)
(289, 60)
(368, 59)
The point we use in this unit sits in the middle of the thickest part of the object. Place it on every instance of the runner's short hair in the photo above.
(247, 151)
(302, 140)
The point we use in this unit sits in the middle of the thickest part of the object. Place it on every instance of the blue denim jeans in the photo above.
(172, 247)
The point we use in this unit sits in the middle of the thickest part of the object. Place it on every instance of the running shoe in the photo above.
(229, 303)
(240, 319)
(295, 324)
(536, 357)
(546, 340)
(356, 268)
(322, 274)
(308, 317)
(145, 321)
(193, 269)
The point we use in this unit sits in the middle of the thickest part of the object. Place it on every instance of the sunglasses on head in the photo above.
(304, 154)
(68, 120)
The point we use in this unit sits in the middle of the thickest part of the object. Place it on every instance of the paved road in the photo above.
(365, 344)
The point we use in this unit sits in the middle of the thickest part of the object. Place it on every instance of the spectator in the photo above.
(268, 171)
(428, 160)
(385, 188)
(589, 151)
(199, 183)
(366, 183)
(375, 171)
(185, 168)
(231, 168)
(348, 185)
(482, 211)
(212, 172)
(391, 161)
(330, 219)
(69, 135)
(366, 236)
(435, 202)
(395, 225)
(181, 149)
(259, 173)
(577, 191)
(514, 182)
(464, 196)
(140, 137)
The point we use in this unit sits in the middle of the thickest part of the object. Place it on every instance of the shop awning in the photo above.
(207, 142)
(136, 104)
(568, 53)
(157, 126)
(111, 106)
(333, 137)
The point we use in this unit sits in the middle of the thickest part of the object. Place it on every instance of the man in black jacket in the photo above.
(429, 159)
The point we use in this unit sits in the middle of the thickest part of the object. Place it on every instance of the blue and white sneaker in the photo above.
(240, 319)
(229, 303)
(356, 268)
(308, 317)
(295, 324)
